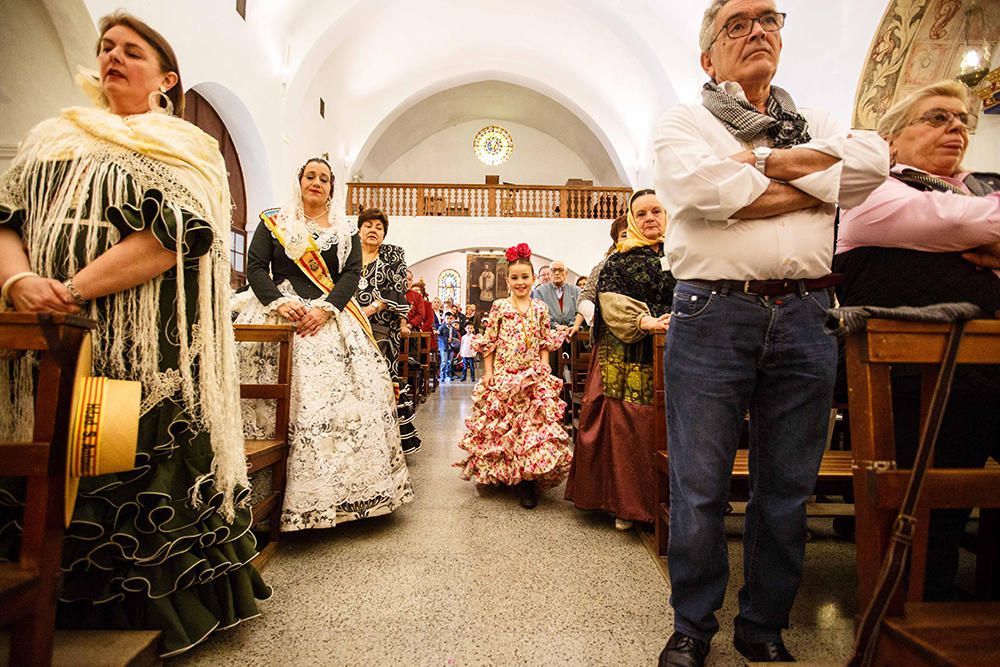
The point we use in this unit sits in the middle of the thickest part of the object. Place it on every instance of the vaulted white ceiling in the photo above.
(613, 64)
(496, 100)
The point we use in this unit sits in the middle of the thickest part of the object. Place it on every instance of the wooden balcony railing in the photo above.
(509, 201)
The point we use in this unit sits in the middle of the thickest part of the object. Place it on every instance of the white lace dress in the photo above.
(345, 460)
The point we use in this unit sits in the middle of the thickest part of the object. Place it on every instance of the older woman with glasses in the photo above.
(613, 467)
(921, 238)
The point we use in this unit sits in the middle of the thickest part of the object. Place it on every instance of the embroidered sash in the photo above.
(314, 267)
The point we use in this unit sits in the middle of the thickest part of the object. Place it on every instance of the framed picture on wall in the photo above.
(485, 284)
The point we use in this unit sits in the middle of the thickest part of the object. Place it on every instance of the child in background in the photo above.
(456, 348)
(444, 346)
(515, 434)
(468, 354)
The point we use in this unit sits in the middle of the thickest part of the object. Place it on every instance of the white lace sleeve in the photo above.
(323, 304)
(273, 306)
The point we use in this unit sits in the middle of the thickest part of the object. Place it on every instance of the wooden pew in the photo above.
(270, 453)
(29, 585)
(915, 633)
(416, 346)
(578, 365)
(835, 472)
(426, 365)
(434, 363)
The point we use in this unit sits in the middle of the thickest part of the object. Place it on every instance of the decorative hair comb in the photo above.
(519, 251)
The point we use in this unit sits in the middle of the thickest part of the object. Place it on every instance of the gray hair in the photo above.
(899, 115)
(708, 23)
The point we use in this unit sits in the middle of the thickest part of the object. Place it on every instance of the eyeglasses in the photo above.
(743, 26)
(942, 117)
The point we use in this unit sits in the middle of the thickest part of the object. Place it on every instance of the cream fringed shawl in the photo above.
(57, 167)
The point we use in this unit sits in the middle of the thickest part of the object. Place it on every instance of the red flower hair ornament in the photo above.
(519, 251)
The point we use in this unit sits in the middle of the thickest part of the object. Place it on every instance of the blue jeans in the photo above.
(445, 354)
(469, 366)
(727, 353)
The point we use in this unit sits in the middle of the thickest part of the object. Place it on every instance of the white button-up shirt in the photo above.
(701, 189)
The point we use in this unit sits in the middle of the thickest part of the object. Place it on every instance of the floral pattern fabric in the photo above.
(515, 432)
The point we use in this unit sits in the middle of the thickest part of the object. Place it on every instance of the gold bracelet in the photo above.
(4, 298)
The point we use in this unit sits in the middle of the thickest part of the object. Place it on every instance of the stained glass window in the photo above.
(449, 286)
(493, 145)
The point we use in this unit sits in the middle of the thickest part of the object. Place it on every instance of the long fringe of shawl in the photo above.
(173, 156)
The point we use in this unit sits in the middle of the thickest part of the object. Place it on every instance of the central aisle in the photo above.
(456, 578)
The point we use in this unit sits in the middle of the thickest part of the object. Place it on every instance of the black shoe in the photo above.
(683, 651)
(763, 651)
(529, 494)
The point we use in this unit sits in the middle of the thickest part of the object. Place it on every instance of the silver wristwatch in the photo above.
(760, 154)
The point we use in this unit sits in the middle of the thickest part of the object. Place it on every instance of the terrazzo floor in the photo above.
(461, 578)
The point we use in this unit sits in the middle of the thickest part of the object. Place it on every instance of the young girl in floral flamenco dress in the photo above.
(515, 436)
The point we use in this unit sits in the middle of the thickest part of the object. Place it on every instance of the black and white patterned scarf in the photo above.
(979, 185)
(783, 124)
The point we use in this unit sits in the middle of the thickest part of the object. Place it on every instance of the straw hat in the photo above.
(103, 425)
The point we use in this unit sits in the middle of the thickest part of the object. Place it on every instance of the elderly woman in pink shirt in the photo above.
(924, 237)
(932, 222)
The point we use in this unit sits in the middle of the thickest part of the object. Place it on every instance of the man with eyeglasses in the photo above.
(561, 298)
(752, 185)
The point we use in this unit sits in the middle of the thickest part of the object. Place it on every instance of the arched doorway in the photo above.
(199, 111)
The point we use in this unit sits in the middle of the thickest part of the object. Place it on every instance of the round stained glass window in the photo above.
(493, 145)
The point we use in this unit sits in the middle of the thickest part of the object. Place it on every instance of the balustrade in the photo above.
(510, 201)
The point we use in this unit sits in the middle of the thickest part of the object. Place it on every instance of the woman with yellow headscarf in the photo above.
(613, 461)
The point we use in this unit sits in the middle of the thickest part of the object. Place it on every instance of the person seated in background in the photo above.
(458, 316)
(581, 282)
(470, 316)
(544, 276)
(560, 298)
(438, 309)
(921, 238)
(421, 315)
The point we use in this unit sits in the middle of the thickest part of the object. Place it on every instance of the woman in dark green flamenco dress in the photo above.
(121, 213)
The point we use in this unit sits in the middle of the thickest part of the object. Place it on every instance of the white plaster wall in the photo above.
(578, 243)
(429, 270)
(616, 63)
(236, 64)
(35, 78)
(447, 157)
(554, 48)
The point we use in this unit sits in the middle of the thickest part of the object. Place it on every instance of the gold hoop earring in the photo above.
(154, 99)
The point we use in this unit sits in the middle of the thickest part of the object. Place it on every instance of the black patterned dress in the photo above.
(384, 279)
(613, 460)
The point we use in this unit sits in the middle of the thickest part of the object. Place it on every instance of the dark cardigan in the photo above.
(268, 265)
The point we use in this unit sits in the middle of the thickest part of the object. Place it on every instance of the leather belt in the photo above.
(772, 287)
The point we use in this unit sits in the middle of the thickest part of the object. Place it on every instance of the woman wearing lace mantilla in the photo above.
(122, 213)
(303, 266)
